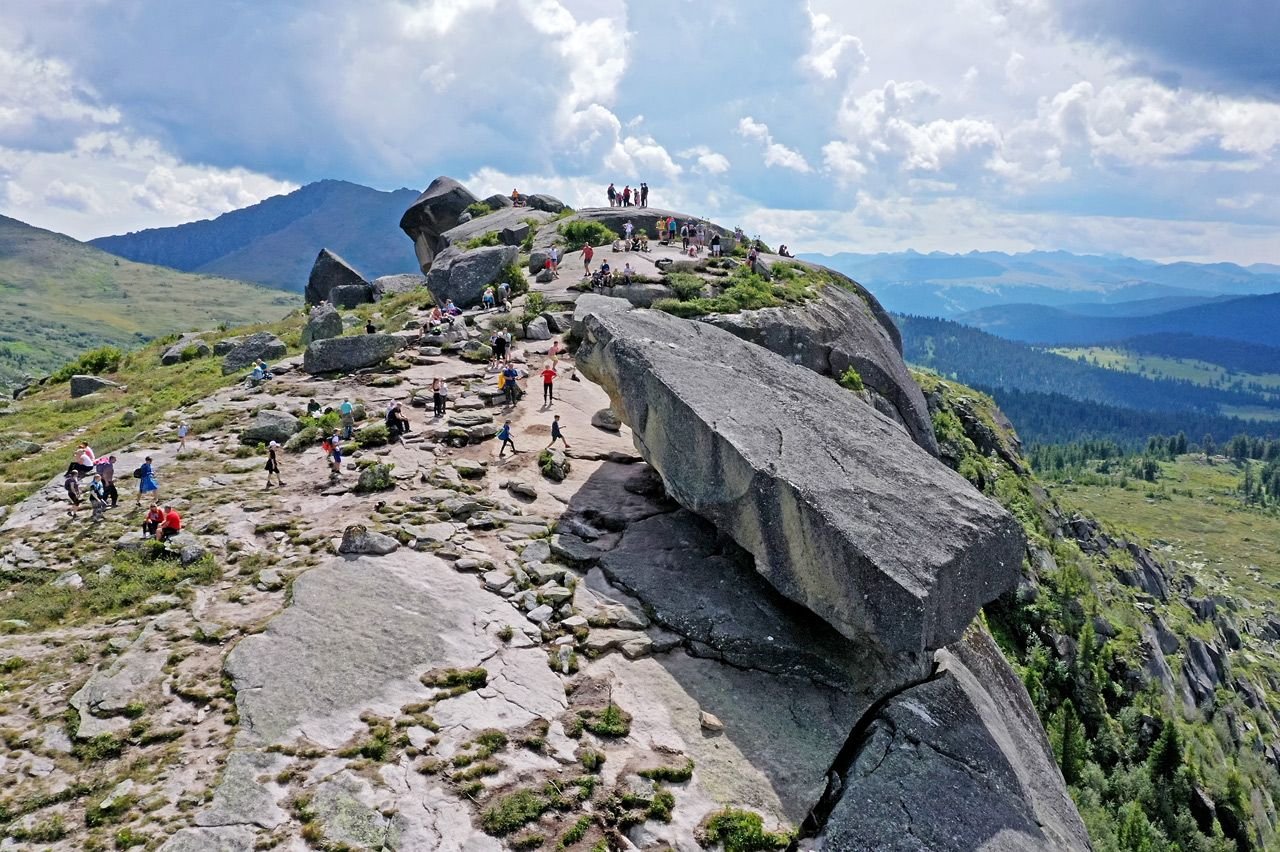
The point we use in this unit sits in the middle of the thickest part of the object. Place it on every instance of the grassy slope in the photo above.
(59, 297)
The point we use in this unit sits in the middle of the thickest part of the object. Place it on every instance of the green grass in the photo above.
(513, 811)
(744, 290)
(488, 238)
(741, 831)
(1160, 367)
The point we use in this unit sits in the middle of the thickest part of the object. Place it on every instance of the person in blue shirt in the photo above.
(509, 385)
(504, 435)
(146, 481)
(556, 434)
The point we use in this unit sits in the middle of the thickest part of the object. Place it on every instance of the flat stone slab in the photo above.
(842, 511)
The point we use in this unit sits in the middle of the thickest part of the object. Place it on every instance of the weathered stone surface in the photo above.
(546, 203)
(270, 425)
(327, 272)
(131, 677)
(358, 539)
(343, 354)
(956, 764)
(85, 385)
(232, 838)
(839, 330)
(1204, 669)
(345, 816)
(537, 330)
(351, 295)
(390, 285)
(592, 303)
(857, 523)
(514, 235)
(607, 420)
(464, 277)
(435, 211)
(262, 344)
(323, 322)
(241, 798)
(195, 346)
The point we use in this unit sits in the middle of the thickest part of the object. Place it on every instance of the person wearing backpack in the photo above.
(273, 464)
(97, 498)
(146, 480)
(504, 435)
(106, 468)
(72, 484)
(509, 384)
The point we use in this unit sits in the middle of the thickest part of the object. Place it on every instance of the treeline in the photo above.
(977, 358)
(1051, 418)
(1235, 355)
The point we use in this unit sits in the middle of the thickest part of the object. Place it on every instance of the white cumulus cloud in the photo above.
(775, 154)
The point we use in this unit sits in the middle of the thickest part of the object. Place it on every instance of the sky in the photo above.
(1139, 127)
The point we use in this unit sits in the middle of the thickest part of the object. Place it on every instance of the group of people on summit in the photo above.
(629, 197)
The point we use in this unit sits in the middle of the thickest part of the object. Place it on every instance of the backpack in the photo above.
(326, 446)
(137, 472)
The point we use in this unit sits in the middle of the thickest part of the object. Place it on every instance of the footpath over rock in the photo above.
(843, 513)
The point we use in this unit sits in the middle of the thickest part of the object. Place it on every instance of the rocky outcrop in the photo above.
(343, 354)
(463, 276)
(330, 271)
(351, 295)
(185, 349)
(323, 322)
(263, 344)
(843, 329)
(390, 285)
(843, 513)
(270, 425)
(955, 764)
(435, 211)
(85, 385)
(546, 203)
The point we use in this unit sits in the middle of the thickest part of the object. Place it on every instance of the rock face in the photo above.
(351, 295)
(323, 322)
(842, 511)
(957, 763)
(389, 285)
(327, 272)
(546, 203)
(263, 344)
(336, 354)
(435, 211)
(463, 276)
(843, 329)
(270, 425)
(85, 385)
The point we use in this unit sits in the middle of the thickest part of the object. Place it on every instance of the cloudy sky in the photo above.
(1140, 127)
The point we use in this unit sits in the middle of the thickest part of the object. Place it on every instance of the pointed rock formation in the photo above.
(328, 272)
(435, 211)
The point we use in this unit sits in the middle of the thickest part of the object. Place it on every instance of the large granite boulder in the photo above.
(463, 276)
(435, 211)
(839, 330)
(323, 322)
(958, 763)
(546, 203)
(593, 303)
(390, 285)
(843, 513)
(262, 344)
(186, 348)
(327, 272)
(85, 385)
(269, 425)
(343, 354)
(351, 295)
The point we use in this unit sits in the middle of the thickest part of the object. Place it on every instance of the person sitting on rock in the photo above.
(397, 423)
(450, 309)
(606, 274)
(257, 376)
(171, 526)
(517, 200)
(266, 371)
(784, 251)
(642, 244)
(97, 498)
(627, 273)
(370, 328)
(151, 523)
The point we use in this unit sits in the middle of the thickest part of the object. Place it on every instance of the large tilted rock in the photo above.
(327, 272)
(323, 322)
(842, 511)
(343, 354)
(270, 425)
(85, 385)
(263, 344)
(435, 211)
(956, 764)
(463, 276)
(839, 330)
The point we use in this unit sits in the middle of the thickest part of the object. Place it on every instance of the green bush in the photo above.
(741, 831)
(534, 305)
(852, 380)
(685, 285)
(577, 234)
(514, 277)
(376, 477)
(478, 209)
(94, 362)
(488, 238)
(512, 812)
(190, 353)
(744, 290)
(373, 435)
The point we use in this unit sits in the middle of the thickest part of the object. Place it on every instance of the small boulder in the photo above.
(537, 330)
(544, 276)
(514, 235)
(344, 354)
(497, 201)
(324, 322)
(327, 272)
(359, 539)
(390, 285)
(554, 465)
(186, 349)
(710, 722)
(606, 419)
(546, 203)
(270, 580)
(263, 344)
(270, 425)
(85, 385)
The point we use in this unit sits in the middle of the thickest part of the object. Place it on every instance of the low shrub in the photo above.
(478, 209)
(94, 362)
(685, 285)
(740, 831)
(577, 234)
(488, 238)
(852, 380)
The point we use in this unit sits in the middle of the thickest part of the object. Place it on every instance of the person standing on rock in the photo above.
(273, 464)
(553, 258)
(626, 196)
(348, 414)
(627, 228)
(613, 196)
(715, 245)
(183, 431)
(334, 451)
(671, 230)
(106, 468)
(587, 253)
(548, 384)
(504, 295)
(504, 435)
(499, 347)
(556, 434)
(644, 194)
(71, 482)
(510, 385)
(487, 299)
(146, 480)
(437, 391)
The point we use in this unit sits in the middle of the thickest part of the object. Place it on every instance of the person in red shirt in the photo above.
(548, 379)
(172, 524)
(151, 523)
(587, 253)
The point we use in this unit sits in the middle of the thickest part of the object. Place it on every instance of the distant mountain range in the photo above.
(276, 241)
(948, 285)
(59, 297)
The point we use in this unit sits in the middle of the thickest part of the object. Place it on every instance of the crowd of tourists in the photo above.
(628, 197)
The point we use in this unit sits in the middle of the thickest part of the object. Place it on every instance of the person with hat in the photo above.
(273, 464)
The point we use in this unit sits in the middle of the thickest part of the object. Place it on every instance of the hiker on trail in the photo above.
(72, 484)
(370, 328)
(671, 229)
(644, 194)
(82, 461)
(554, 352)
(548, 379)
(183, 431)
(397, 423)
(146, 480)
(715, 245)
(700, 234)
(487, 299)
(504, 435)
(751, 259)
(97, 498)
(170, 526)
(106, 468)
(273, 464)
(626, 197)
(509, 384)
(439, 393)
(504, 295)
(348, 413)
(151, 523)
(613, 196)
(556, 434)
(587, 253)
(499, 347)
(553, 259)
(332, 447)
